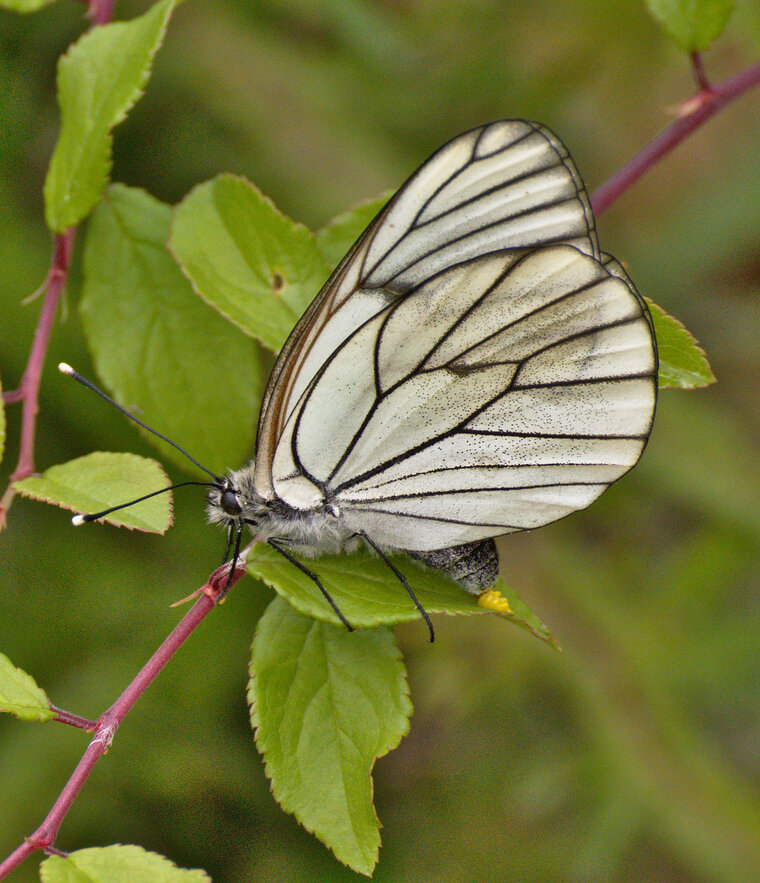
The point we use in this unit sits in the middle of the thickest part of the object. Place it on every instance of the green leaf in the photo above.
(20, 695)
(2, 424)
(100, 480)
(99, 79)
(693, 24)
(521, 615)
(24, 5)
(246, 259)
(325, 703)
(157, 347)
(368, 594)
(339, 234)
(116, 864)
(682, 361)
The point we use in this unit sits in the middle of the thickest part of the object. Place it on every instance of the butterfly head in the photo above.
(229, 501)
(233, 500)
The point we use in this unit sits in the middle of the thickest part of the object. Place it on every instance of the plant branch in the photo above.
(699, 72)
(108, 723)
(101, 11)
(692, 113)
(73, 720)
(29, 387)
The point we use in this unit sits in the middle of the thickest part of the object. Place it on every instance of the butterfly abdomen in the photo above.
(475, 566)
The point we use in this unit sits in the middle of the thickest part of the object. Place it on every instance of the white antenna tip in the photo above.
(65, 369)
(78, 520)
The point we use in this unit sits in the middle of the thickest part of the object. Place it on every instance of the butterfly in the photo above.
(474, 366)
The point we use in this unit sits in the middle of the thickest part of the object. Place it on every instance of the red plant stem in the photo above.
(101, 11)
(73, 720)
(29, 387)
(13, 395)
(30, 382)
(44, 837)
(699, 72)
(694, 112)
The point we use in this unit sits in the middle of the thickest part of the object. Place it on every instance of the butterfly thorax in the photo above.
(312, 532)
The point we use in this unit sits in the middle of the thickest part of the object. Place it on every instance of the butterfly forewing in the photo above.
(508, 186)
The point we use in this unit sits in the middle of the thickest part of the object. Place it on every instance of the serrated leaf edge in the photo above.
(39, 707)
(694, 342)
(137, 93)
(262, 749)
(18, 487)
(131, 846)
(412, 614)
(297, 225)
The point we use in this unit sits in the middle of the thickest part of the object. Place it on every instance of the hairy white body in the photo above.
(311, 533)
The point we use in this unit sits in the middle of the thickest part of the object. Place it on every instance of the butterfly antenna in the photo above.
(86, 519)
(402, 580)
(68, 370)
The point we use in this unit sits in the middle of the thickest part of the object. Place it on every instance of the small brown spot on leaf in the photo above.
(278, 283)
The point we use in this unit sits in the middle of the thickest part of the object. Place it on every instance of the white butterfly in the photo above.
(474, 366)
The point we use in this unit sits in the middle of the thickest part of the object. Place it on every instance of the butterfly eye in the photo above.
(229, 502)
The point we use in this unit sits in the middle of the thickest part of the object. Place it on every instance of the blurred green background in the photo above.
(633, 755)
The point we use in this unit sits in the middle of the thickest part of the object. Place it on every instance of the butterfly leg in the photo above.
(403, 582)
(312, 576)
(238, 531)
(230, 534)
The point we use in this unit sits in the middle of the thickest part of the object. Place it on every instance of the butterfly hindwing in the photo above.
(523, 393)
